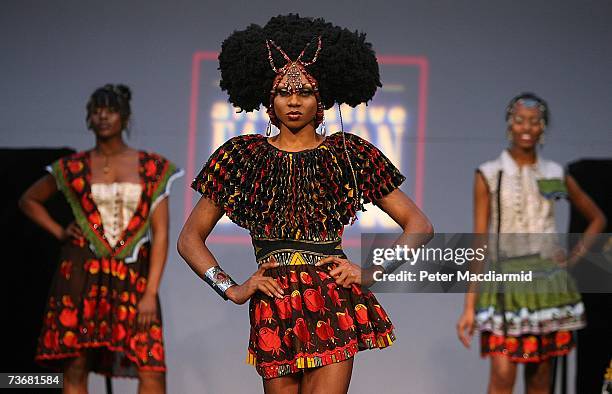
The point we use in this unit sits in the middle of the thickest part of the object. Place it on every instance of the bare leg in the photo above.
(289, 384)
(538, 377)
(330, 379)
(151, 382)
(75, 375)
(502, 376)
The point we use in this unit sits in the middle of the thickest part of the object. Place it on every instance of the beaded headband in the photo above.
(528, 102)
(531, 103)
(293, 69)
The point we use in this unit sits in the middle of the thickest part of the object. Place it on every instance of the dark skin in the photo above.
(296, 113)
(111, 151)
(526, 128)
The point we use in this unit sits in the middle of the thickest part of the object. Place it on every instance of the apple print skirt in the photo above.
(92, 308)
(317, 322)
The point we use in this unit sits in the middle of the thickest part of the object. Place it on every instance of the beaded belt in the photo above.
(290, 252)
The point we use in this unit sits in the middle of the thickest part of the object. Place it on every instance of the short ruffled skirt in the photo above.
(92, 308)
(539, 316)
(316, 323)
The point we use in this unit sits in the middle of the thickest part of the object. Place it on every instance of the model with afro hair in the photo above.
(346, 69)
(310, 307)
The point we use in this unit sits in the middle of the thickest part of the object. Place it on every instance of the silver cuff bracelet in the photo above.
(218, 280)
(391, 265)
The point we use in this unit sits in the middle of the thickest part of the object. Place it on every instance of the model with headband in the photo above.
(295, 192)
(514, 198)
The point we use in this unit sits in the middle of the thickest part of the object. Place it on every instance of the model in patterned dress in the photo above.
(103, 311)
(295, 192)
(515, 195)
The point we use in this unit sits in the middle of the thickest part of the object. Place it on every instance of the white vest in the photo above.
(524, 209)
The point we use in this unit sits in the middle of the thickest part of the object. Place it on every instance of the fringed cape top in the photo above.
(307, 195)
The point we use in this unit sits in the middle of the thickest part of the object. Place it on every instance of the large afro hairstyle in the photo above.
(346, 69)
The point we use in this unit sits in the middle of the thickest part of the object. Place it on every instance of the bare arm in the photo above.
(481, 205)
(407, 215)
(159, 246)
(465, 325)
(416, 231)
(191, 242)
(147, 307)
(32, 205)
(192, 247)
(588, 209)
(482, 216)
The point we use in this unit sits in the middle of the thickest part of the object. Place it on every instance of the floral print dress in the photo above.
(95, 292)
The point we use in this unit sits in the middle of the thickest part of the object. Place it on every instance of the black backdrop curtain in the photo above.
(595, 341)
(29, 256)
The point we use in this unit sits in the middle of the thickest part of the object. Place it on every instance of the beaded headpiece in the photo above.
(345, 72)
(528, 100)
(293, 69)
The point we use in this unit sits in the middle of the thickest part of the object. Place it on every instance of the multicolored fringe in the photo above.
(527, 348)
(278, 369)
(302, 195)
(385, 340)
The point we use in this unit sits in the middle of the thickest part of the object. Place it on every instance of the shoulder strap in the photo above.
(501, 297)
(498, 197)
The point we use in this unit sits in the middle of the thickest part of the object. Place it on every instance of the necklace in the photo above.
(106, 168)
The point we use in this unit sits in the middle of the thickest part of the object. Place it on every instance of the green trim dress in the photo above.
(527, 322)
(98, 284)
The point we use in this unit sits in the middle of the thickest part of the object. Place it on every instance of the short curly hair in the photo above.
(346, 70)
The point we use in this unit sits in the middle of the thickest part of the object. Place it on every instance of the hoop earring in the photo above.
(541, 140)
(269, 128)
(509, 135)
